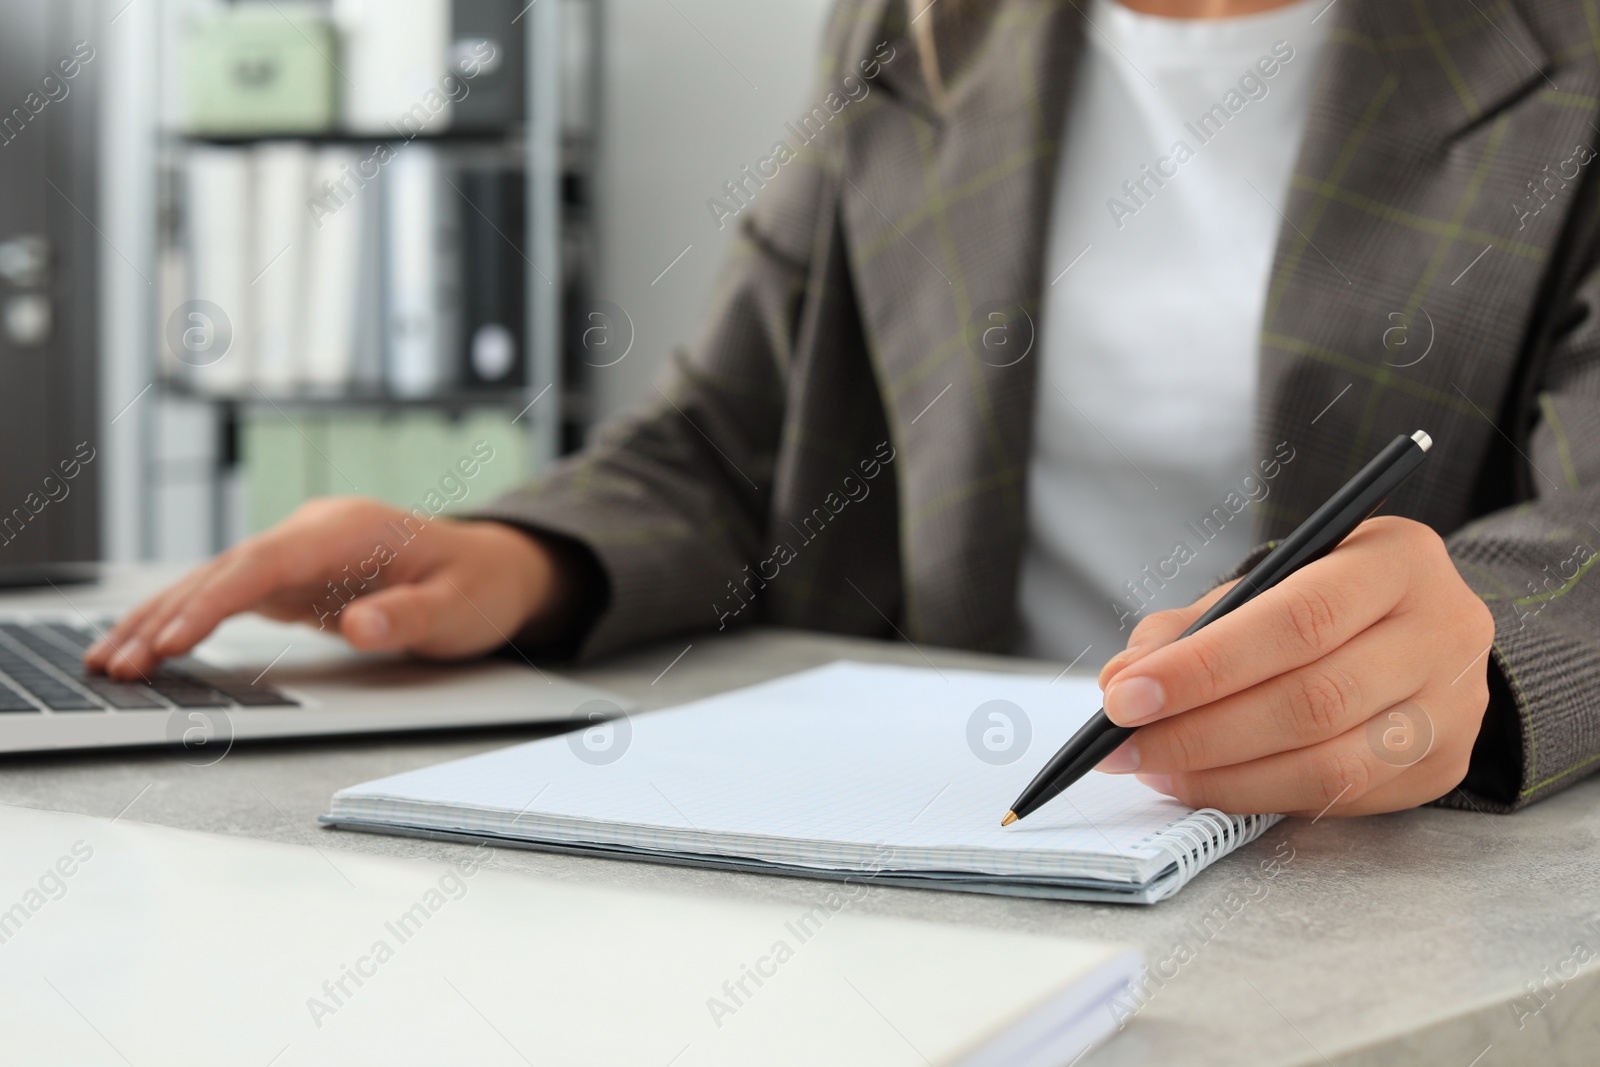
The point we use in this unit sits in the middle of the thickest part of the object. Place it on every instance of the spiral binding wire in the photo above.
(1200, 839)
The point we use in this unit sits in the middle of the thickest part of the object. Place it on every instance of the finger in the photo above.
(124, 652)
(241, 579)
(300, 553)
(1162, 628)
(1417, 784)
(130, 661)
(1307, 780)
(1310, 704)
(97, 653)
(1300, 620)
(122, 630)
(187, 613)
(432, 618)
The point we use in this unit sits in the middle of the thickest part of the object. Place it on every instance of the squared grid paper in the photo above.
(850, 769)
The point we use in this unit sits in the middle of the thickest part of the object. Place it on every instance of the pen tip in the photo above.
(1010, 818)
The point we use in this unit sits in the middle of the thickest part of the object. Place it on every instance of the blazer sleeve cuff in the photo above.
(640, 585)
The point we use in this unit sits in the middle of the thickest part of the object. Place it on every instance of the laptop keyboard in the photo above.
(41, 668)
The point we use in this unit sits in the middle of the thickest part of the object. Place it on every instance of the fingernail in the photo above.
(1115, 664)
(1161, 783)
(1134, 701)
(129, 650)
(171, 633)
(370, 624)
(1123, 760)
(97, 649)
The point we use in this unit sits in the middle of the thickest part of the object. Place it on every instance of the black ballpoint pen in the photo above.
(1330, 524)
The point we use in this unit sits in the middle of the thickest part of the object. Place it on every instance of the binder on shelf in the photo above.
(488, 52)
(493, 345)
(420, 263)
(211, 333)
(366, 369)
(283, 172)
(334, 253)
(172, 288)
(397, 65)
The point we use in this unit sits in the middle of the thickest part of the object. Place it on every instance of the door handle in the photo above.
(28, 319)
(25, 260)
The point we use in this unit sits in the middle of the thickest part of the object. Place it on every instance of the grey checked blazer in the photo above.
(847, 338)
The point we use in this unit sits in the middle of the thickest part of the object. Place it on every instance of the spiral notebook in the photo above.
(852, 771)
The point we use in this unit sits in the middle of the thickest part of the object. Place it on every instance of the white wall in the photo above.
(679, 118)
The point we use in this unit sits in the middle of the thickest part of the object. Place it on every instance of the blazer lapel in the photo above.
(1406, 274)
(944, 207)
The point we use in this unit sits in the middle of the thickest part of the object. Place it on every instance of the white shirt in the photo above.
(1161, 241)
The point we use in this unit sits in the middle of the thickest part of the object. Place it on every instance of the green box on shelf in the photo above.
(258, 68)
(399, 457)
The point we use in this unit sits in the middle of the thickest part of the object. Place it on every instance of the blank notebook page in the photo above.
(851, 768)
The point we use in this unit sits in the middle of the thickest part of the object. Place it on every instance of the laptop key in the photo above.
(74, 704)
(186, 683)
(187, 694)
(46, 688)
(246, 695)
(42, 646)
(262, 698)
(234, 687)
(122, 695)
(53, 694)
(11, 700)
(51, 691)
(76, 636)
(64, 699)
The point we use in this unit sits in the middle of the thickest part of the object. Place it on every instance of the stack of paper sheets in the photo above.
(330, 957)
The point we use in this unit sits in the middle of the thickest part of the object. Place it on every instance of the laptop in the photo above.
(255, 679)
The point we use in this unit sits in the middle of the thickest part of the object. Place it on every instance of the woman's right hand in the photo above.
(377, 575)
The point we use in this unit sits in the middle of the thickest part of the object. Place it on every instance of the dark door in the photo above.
(49, 402)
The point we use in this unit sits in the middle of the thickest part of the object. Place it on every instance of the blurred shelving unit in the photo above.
(222, 459)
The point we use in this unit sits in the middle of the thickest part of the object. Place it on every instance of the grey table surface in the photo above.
(1429, 936)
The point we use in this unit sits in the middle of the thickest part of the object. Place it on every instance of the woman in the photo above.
(1010, 345)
